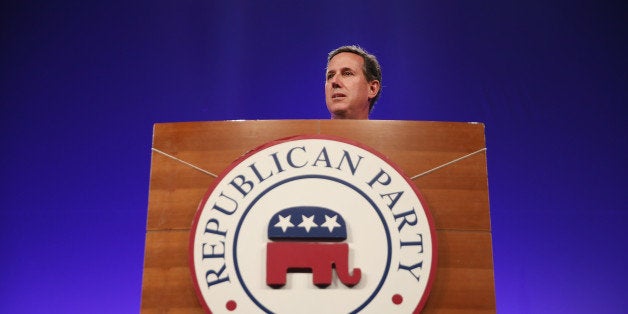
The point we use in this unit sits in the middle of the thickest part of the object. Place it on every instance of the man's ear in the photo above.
(374, 87)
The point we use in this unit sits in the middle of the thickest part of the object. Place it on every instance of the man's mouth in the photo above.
(337, 95)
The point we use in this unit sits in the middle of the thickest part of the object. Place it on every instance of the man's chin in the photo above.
(339, 112)
(338, 106)
(345, 113)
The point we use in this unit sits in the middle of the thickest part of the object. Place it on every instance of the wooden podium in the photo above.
(446, 161)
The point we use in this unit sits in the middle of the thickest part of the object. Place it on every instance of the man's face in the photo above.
(347, 91)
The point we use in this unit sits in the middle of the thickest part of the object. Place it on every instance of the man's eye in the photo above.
(347, 73)
(330, 75)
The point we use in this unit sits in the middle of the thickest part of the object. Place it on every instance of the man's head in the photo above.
(352, 83)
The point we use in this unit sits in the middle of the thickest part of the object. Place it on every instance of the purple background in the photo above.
(82, 83)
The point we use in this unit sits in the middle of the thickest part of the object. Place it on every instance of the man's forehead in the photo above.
(345, 60)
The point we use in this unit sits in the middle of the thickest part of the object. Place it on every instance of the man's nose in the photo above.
(335, 82)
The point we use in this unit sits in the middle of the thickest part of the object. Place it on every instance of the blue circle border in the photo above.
(324, 177)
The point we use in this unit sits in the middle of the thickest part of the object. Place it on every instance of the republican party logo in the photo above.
(313, 224)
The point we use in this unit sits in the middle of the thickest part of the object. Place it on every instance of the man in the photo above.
(352, 84)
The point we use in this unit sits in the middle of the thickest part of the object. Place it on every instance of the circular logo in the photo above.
(312, 224)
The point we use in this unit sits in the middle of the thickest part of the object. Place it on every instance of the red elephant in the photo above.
(316, 257)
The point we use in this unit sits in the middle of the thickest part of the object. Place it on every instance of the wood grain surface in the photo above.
(456, 195)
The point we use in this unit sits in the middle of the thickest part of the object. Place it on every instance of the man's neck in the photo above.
(343, 115)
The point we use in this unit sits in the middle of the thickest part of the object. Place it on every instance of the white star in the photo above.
(307, 223)
(330, 223)
(284, 223)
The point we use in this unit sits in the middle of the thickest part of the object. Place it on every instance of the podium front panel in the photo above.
(446, 161)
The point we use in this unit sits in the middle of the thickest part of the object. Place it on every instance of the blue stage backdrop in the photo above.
(82, 83)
